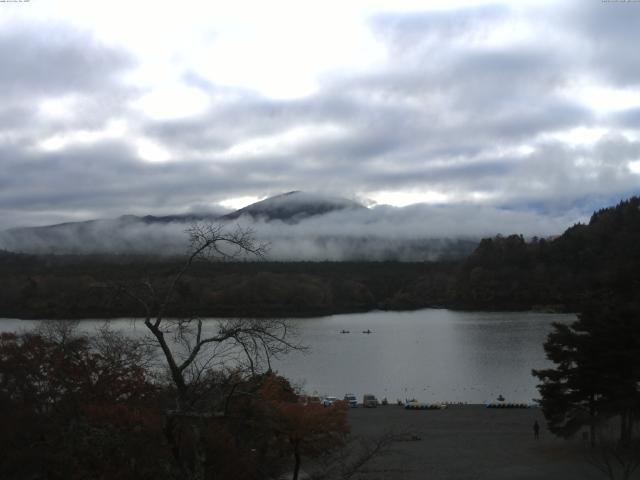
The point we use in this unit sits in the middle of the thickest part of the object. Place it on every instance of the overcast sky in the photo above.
(151, 107)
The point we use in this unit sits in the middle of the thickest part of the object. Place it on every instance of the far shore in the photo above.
(297, 315)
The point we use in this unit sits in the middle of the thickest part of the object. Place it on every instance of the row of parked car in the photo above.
(368, 400)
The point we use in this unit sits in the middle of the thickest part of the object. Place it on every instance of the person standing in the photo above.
(536, 430)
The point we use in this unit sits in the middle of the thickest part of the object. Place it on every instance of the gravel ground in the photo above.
(470, 442)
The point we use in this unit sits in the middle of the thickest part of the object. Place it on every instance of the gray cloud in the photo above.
(43, 59)
(611, 31)
(105, 179)
(446, 113)
(629, 118)
(406, 31)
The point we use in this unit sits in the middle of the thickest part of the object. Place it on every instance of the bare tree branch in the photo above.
(190, 348)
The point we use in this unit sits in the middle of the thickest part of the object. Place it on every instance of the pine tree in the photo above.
(597, 371)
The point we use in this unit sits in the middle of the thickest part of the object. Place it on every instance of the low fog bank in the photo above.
(414, 233)
(117, 236)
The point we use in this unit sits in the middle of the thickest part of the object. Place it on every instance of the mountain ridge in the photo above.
(293, 206)
(272, 208)
(151, 234)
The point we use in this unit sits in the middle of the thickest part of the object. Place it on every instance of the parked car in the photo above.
(369, 401)
(328, 401)
(314, 400)
(351, 400)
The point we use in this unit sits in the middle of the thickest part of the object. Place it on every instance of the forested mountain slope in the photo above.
(599, 257)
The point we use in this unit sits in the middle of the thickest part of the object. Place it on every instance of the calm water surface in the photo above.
(431, 355)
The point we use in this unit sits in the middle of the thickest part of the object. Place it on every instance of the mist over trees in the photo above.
(301, 227)
(502, 273)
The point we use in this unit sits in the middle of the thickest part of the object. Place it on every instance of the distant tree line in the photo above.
(503, 273)
(74, 286)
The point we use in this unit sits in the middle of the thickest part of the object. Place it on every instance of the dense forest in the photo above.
(503, 273)
(77, 287)
(600, 258)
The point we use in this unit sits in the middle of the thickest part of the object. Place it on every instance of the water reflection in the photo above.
(431, 355)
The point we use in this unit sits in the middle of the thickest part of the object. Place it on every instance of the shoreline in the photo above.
(292, 316)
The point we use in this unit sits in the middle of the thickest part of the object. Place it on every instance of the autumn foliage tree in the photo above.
(194, 400)
(74, 408)
(308, 430)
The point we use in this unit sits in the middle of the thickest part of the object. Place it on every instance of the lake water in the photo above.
(431, 355)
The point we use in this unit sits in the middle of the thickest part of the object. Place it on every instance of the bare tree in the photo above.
(59, 332)
(191, 349)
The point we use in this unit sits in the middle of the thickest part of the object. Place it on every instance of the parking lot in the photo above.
(470, 442)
